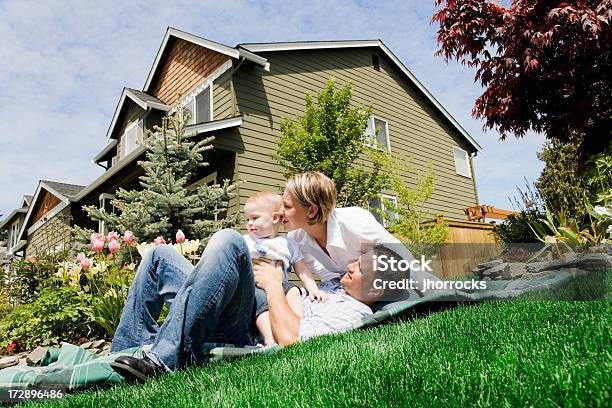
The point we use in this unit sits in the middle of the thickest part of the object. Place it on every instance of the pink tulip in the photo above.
(159, 241)
(113, 246)
(81, 256)
(95, 237)
(180, 237)
(85, 263)
(97, 245)
(113, 236)
(128, 237)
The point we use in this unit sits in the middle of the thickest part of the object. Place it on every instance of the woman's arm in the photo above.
(284, 322)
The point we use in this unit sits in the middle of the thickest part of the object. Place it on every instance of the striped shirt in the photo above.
(338, 314)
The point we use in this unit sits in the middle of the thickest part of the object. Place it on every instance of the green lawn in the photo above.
(527, 353)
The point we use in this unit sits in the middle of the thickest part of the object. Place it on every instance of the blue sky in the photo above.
(65, 63)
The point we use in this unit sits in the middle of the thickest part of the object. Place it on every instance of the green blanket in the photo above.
(75, 368)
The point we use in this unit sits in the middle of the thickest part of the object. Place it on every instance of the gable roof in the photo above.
(27, 199)
(145, 101)
(64, 191)
(317, 45)
(202, 42)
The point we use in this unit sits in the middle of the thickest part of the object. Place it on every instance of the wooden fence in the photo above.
(467, 244)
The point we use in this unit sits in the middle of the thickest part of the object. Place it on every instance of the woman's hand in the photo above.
(266, 275)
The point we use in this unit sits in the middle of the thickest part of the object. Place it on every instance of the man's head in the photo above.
(366, 283)
(262, 214)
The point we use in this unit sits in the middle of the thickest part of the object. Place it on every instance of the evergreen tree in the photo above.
(165, 204)
(561, 185)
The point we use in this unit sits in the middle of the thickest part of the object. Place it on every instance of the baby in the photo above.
(263, 220)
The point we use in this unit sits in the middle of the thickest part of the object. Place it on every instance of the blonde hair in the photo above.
(275, 200)
(314, 188)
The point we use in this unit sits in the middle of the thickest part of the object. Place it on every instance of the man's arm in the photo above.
(284, 322)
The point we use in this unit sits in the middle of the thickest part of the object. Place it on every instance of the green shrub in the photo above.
(57, 314)
(27, 276)
(516, 228)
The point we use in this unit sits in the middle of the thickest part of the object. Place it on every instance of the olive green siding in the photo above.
(416, 129)
(55, 232)
(222, 97)
(132, 114)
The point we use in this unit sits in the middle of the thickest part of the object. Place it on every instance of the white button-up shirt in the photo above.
(350, 233)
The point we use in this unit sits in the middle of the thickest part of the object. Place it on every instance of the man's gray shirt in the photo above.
(336, 315)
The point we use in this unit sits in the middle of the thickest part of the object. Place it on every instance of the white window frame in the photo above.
(456, 151)
(101, 201)
(381, 201)
(391, 198)
(15, 227)
(192, 99)
(370, 133)
(139, 137)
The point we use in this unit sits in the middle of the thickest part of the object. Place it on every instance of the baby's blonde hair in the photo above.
(275, 200)
(314, 188)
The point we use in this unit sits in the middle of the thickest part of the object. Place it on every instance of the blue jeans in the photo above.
(211, 302)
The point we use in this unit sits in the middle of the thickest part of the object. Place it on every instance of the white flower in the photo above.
(602, 213)
(143, 247)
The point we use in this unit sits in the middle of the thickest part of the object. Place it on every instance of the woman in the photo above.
(330, 237)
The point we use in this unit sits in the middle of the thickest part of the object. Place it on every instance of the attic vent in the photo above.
(375, 62)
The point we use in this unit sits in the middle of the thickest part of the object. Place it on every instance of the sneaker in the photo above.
(136, 369)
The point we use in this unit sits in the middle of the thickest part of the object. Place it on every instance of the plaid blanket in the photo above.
(76, 368)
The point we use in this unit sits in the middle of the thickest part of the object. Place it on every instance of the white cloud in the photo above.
(66, 62)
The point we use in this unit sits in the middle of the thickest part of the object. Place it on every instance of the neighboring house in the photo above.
(12, 224)
(240, 95)
(47, 222)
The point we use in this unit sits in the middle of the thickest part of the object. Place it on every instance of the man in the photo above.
(214, 302)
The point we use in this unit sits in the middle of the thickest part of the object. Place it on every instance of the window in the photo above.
(387, 204)
(198, 108)
(377, 133)
(107, 206)
(203, 103)
(14, 235)
(131, 137)
(462, 162)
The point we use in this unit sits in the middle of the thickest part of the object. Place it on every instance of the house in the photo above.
(47, 220)
(12, 224)
(240, 95)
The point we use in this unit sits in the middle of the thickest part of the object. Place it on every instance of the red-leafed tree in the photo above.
(545, 65)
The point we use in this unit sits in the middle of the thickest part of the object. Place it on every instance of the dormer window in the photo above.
(132, 135)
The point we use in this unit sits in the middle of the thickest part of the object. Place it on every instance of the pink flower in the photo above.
(85, 263)
(95, 237)
(81, 256)
(113, 246)
(113, 236)
(11, 346)
(128, 237)
(97, 245)
(180, 237)
(159, 241)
